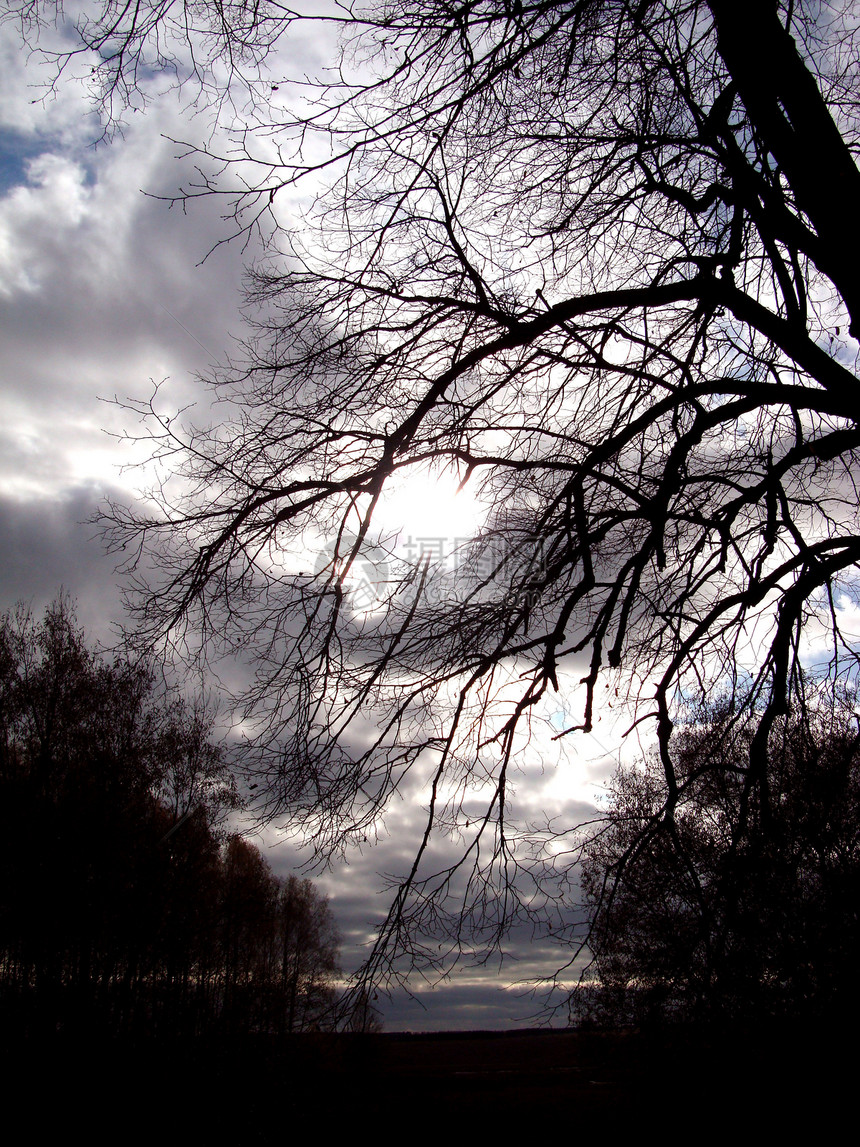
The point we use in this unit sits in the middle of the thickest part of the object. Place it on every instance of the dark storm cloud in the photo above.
(46, 545)
(487, 1005)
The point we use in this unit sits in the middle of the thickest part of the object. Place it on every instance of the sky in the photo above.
(105, 291)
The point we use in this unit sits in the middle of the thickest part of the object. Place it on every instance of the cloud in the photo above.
(48, 545)
(482, 1005)
(102, 285)
(102, 292)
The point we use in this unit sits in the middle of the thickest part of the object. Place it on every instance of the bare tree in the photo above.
(600, 261)
(731, 910)
(308, 954)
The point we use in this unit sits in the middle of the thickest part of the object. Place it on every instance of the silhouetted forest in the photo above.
(126, 908)
(741, 907)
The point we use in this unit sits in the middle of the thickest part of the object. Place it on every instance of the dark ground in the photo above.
(260, 1090)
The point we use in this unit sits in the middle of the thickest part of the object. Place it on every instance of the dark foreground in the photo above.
(259, 1089)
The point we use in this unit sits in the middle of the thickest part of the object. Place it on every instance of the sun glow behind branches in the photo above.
(426, 508)
(429, 515)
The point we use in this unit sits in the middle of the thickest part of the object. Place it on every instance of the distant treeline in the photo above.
(124, 909)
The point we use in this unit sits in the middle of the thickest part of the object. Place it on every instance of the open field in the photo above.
(259, 1090)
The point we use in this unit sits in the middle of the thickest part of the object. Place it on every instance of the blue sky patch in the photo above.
(16, 149)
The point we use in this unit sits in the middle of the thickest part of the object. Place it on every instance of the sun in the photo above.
(428, 512)
(424, 518)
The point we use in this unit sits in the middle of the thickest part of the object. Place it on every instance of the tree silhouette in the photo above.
(124, 906)
(598, 260)
(308, 946)
(737, 908)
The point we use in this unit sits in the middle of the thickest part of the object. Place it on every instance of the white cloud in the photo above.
(101, 288)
